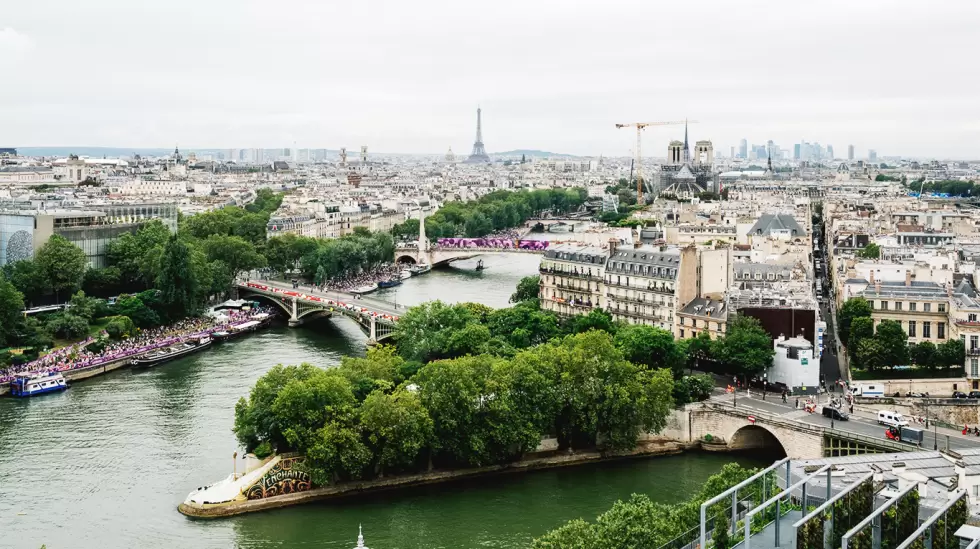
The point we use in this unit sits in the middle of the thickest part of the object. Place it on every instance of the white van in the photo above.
(892, 419)
(868, 391)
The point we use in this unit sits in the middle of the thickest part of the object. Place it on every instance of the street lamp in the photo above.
(765, 384)
(734, 390)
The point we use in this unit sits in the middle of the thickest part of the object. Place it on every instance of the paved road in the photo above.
(862, 422)
(376, 305)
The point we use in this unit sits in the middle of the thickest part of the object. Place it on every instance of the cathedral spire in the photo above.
(687, 149)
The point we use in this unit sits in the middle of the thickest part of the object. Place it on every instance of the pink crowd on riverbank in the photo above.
(77, 356)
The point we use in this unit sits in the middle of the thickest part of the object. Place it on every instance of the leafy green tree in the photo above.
(470, 340)
(337, 452)
(177, 281)
(454, 393)
(693, 388)
(527, 289)
(477, 225)
(720, 535)
(870, 354)
(871, 251)
(398, 428)
(121, 327)
(235, 252)
(522, 325)
(894, 343)
(952, 353)
(925, 354)
(62, 264)
(597, 319)
(11, 307)
(135, 309)
(255, 420)
(304, 406)
(746, 348)
(650, 346)
(83, 306)
(862, 327)
(853, 308)
(27, 277)
(575, 534)
(104, 282)
(603, 399)
(698, 349)
(68, 326)
(424, 332)
(136, 256)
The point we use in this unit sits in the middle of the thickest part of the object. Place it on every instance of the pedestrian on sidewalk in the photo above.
(797, 405)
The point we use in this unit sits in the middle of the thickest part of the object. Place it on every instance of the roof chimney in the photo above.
(908, 279)
(877, 287)
(613, 244)
(872, 276)
(637, 244)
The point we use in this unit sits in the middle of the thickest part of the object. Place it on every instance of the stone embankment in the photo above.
(538, 461)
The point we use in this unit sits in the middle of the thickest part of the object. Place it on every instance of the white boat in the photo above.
(421, 268)
(405, 274)
(25, 385)
(366, 289)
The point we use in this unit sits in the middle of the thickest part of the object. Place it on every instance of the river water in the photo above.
(104, 464)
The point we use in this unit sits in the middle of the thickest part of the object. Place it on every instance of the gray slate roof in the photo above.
(768, 223)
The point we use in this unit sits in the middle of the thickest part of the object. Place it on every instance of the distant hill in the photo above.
(533, 153)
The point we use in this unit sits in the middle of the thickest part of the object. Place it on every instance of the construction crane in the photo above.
(639, 132)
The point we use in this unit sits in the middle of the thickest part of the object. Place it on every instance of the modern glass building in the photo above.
(23, 232)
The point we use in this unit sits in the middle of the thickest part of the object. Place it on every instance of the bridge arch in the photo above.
(304, 311)
(756, 437)
(405, 258)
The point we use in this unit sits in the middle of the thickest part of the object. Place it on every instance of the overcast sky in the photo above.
(899, 76)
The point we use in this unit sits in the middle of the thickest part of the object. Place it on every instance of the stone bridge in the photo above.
(442, 256)
(740, 429)
(303, 306)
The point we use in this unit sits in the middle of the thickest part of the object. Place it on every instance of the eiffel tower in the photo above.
(479, 153)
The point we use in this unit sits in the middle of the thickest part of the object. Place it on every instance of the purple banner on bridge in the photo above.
(501, 243)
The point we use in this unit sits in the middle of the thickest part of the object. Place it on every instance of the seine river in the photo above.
(104, 464)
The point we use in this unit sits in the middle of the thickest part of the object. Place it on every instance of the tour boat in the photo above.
(560, 228)
(390, 283)
(166, 354)
(405, 274)
(366, 289)
(25, 385)
(421, 268)
(235, 330)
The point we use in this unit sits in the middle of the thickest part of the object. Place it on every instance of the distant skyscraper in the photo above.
(479, 152)
(796, 152)
(733, 152)
(872, 155)
(743, 149)
(850, 152)
(830, 152)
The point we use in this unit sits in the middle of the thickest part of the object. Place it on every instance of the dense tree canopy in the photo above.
(62, 264)
(640, 522)
(493, 212)
(853, 308)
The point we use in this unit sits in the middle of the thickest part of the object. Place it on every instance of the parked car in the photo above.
(834, 413)
(974, 394)
(959, 394)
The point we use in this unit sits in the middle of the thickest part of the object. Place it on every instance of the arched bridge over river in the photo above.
(302, 305)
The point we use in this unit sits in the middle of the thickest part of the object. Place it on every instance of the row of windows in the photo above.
(652, 286)
(913, 329)
(704, 324)
(913, 306)
(662, 272)
(746, 275)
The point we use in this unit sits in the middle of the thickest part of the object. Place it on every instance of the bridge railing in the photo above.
(794, 425)
(341, 307)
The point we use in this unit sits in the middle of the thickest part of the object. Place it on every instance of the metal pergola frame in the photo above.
(734, 493)
(874, 514)
(777, 499)
(831, 501)
(930, 521)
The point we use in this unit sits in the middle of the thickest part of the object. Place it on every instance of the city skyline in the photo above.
(406, 79)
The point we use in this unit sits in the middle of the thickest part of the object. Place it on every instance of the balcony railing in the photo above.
(570, 274)
(567, 288)
(640, 300)
(973, 352)
(634, 314)
(570, 303)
